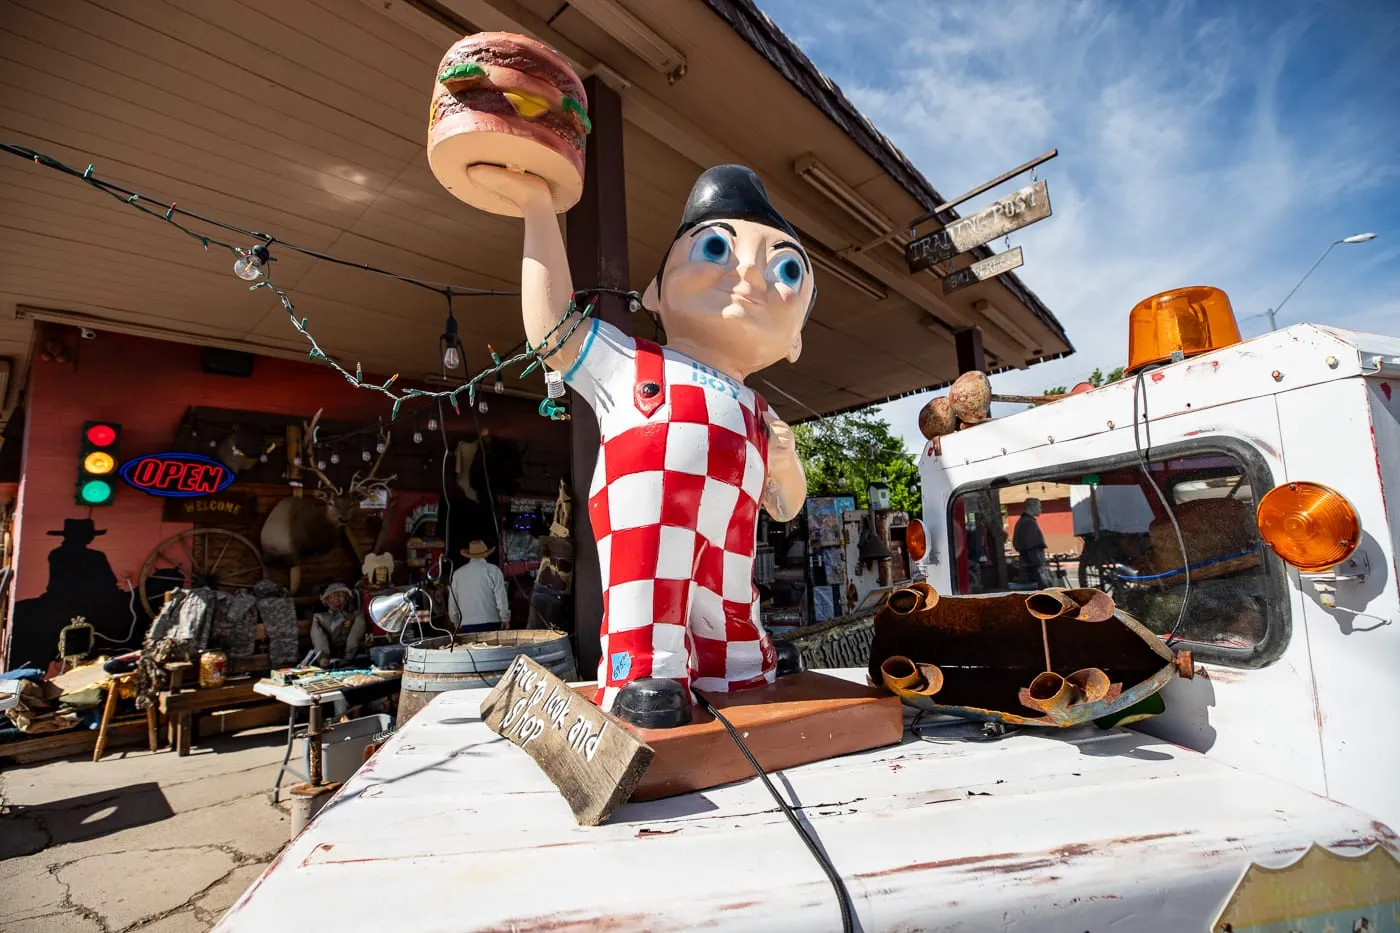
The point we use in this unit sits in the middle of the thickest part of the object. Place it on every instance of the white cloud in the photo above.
(1199, 144)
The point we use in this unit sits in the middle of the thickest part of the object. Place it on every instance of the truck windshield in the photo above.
(1102, 525)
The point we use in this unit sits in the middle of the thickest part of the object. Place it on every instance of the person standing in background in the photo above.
(1029, 543)
(478, 599)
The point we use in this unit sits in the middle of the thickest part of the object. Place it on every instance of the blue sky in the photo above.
(1200, 144)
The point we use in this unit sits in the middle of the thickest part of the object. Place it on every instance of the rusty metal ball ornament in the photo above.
(971, 397)
(936, 419)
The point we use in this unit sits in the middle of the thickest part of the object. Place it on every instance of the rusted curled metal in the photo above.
(1049, 693)
(913, 599)
(902, 677)
(1091, 684)
(1050, 604)
(1086, 605)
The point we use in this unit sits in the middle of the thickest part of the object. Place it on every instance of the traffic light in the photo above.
(97, 466)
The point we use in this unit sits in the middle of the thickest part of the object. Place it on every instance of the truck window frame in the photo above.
(1278, 617)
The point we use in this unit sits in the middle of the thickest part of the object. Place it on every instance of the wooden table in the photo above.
(179, 708)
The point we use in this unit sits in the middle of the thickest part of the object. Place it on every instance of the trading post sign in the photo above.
(1018, 209)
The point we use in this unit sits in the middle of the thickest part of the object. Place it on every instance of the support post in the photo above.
(596, 231)
(971, 357)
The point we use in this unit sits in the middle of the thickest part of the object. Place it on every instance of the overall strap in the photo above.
(649, 390)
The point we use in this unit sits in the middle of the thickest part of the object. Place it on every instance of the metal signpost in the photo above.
(1018, 209)
(988, 268)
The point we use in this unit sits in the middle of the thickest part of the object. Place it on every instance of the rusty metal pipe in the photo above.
(1049, 693)
(914, 598)
(901, 676)
(1091, 684)
(1050, 604)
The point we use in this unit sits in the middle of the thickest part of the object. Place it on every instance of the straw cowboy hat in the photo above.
(477, 550)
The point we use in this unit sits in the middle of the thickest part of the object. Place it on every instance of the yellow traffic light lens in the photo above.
(99, 462)
(1308, 525)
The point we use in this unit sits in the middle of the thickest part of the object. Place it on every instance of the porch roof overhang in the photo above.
(306, 119)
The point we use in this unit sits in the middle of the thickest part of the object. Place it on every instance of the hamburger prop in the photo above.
(506, 135)
(503, 99)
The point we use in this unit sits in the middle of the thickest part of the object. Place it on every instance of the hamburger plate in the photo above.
(507, 100)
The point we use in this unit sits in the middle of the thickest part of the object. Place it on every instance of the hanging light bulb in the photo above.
(449, 342)
(417, 437)
(335, 457)
(262, 458)
(432, 424)
(379, 447)
(365, 455)
(482, 407)
(498, 386)
(213, 443)
(249, 264)
(320, 464)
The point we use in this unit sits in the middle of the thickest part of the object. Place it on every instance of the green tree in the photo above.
(844, 454)
(1096, 379)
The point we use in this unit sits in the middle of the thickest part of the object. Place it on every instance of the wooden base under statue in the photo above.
(800, 719)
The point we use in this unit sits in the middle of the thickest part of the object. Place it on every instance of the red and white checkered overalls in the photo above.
(674, 509)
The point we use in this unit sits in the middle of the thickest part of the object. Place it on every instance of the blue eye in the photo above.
(787, 269)
(710, 247)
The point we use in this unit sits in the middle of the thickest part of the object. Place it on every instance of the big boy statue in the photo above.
(689, 452)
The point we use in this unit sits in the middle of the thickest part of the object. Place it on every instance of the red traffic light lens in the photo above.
(100, 435)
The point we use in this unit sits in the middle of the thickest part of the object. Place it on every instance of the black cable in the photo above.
(843, 896)
(1144, 453)
(170, 210)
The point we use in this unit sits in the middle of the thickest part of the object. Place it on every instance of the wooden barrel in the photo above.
(476, 659)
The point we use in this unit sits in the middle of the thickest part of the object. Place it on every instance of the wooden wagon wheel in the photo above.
(200, 557)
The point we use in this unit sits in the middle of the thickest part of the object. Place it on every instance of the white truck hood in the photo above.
(450, 828)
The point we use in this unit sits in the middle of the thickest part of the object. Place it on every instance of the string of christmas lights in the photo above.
(253, 264)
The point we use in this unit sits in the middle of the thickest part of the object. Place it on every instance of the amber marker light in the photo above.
(916, 540)
(1308, 525)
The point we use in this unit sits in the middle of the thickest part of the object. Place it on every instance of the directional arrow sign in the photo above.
(988, 268)
(1019, 209)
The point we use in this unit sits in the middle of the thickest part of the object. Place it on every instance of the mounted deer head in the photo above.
(298, 529)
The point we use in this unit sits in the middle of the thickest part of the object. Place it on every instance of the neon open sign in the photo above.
(177, 475)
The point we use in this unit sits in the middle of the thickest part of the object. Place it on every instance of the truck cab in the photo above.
(1275, 464)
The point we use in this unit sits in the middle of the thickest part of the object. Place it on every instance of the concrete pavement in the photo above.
(138, 841)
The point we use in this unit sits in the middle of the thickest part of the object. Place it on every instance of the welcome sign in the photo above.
(177, 475)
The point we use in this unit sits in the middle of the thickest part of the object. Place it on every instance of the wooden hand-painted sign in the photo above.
(1322, 891)
(225, 508)
(177, 475)
(1016, 210)
(591, 757)
(988, 268)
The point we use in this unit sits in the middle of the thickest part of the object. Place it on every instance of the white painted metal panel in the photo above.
(1327, 438)
(449, 828)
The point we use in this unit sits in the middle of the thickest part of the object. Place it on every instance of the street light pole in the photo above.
(1355, 238)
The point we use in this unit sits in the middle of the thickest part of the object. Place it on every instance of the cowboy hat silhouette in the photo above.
(79, 530)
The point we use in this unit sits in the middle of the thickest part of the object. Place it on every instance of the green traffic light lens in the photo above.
(96, 492)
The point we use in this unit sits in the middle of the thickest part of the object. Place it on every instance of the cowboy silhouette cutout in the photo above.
(81, 583)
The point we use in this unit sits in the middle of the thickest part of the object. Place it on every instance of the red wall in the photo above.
(146, 386)
(1056, 524)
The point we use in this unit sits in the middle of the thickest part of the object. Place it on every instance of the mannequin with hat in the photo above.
(338, 634)
(478, 600)
(689, 452)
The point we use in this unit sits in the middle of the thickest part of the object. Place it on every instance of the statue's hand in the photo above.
(780, 440)
(519, 188)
